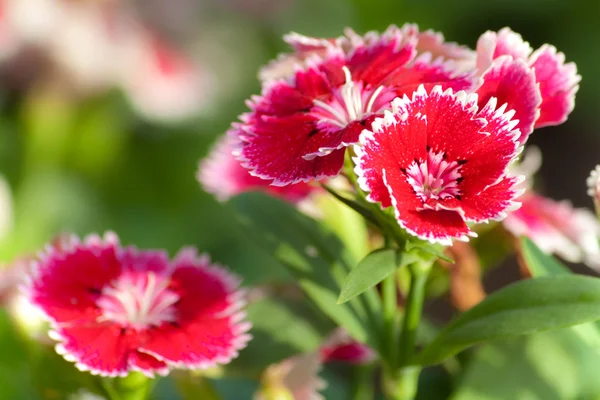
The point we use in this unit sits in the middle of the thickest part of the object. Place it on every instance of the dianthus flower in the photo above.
(441, 162)
(297, 377)
(223, 176)
(115, 310)
(538, 84)
(299, 128)
(341, 347)
(557, 227)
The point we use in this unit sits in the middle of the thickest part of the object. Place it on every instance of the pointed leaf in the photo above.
(540, 263)
(374, 268)
(529, 306)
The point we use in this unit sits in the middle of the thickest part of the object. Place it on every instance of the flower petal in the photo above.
(208, 329)
(102, 349)
(67, 293)
(558, 85)
(512, 82)
(224, 176)
(557, 227)
(492, 45)
(378, 56)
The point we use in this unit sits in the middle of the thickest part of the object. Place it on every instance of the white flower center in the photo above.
(434, 178)
(138, 300)
(349, 103)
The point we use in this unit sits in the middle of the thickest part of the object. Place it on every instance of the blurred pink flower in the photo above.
(163, 83)
(298, 377)
(341, 347)
(556, 227)
(223, 176)
(115, 309)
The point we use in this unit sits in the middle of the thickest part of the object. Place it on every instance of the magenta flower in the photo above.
(557, 81)
(340, 347)
(298, 129)
(556, 227)
(223, 176)
(441, 162)
(115, 310)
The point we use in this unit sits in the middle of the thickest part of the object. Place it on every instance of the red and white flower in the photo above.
(441, 162)
(556, 227)
(298, 129)
(558, 81)
(223, 176)
(115, 310)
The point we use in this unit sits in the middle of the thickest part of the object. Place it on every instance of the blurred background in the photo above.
(107, 106)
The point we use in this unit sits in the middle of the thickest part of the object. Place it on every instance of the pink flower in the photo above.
(556, 227)
(223, 176)
(115, 310)
(298, 129)
(558, 82)
(339, 346)
(441, 162)
(161, 82)
(295, 378)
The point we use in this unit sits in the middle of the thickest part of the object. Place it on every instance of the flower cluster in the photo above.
(434, 126)
(114, 309)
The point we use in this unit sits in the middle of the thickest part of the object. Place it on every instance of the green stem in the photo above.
(390, 310)
(362, 385)
(135, 386)
(412, 312)
(109, 389)
(401, 384)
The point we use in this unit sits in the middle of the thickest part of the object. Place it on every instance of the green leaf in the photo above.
(524, 307)
(547, 366)
(313, 255)
(540, 263)
(374, 268)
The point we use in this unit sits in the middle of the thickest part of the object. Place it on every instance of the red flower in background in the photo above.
(298, 129)
(114, 309)
(223, 176)
(441, 162)
(557, 82)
